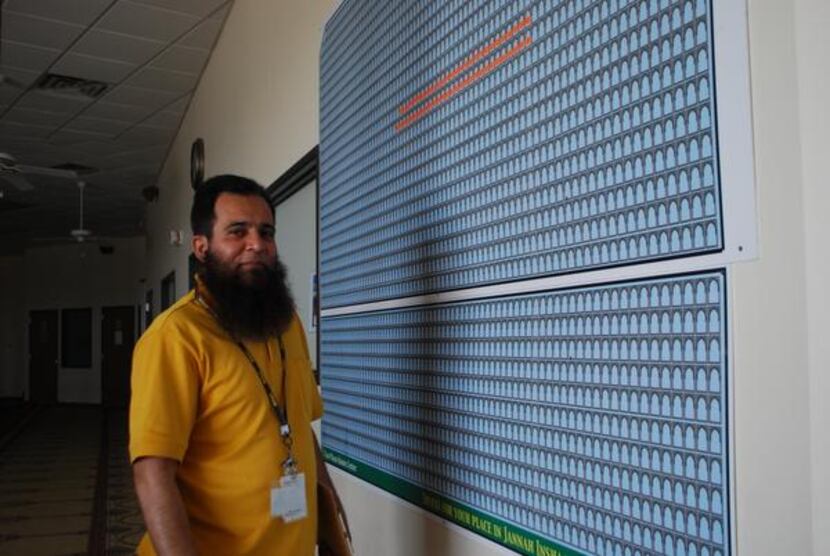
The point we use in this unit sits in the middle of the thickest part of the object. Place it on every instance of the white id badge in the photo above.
(288, 499)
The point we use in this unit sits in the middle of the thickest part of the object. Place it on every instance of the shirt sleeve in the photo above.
(164, 400)
(311, 385)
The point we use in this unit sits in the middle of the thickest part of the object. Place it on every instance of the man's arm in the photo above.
(324, 477)
(162, 506)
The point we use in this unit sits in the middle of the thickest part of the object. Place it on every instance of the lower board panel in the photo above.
(579, 421)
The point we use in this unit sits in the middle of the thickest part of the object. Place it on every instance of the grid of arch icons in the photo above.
(592, 417)
(465, 144)
(595, 146)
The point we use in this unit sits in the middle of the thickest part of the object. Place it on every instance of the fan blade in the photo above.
(18, 181)
(53, 239)
(81, 234)
(44, 171)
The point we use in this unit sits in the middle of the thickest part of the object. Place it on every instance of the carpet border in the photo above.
(97, 544)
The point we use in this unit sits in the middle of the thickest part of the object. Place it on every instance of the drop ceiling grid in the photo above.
(152, 52)
(131, 21)
(124, 20)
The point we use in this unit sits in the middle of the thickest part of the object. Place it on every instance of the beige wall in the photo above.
(779, 305)
(812, 20)
(12, 327)
(63, 277)
(296, 245)
(256, 108)
(77, 276)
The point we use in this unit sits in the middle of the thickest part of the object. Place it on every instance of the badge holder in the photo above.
(288, 499)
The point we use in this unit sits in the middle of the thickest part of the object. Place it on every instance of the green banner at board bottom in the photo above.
(506, 534)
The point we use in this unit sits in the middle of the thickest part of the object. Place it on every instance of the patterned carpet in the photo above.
(47, 483)
(14, 414)
(65, 486)
(124, 524)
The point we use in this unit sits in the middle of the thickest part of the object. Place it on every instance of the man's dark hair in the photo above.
(202, 214)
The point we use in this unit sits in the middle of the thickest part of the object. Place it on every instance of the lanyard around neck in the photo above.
(280, 411)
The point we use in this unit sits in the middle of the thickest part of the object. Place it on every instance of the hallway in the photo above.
(65, 483)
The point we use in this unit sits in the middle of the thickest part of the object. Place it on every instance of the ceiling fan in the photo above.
(13, 173)
(81, 234)
(76, 235)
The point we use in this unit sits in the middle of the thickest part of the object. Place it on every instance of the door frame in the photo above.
(53, 387)
(129, 320)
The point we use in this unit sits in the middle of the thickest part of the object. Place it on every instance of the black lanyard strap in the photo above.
(279, 411)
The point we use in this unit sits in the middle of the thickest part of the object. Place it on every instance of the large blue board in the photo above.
(469, 143)
(465, 144)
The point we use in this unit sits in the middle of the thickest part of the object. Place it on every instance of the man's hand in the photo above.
(325, 478)
(162, 506)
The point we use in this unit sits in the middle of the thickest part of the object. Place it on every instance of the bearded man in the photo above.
(224, 457)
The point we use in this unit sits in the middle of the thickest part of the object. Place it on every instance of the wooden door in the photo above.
(117, 341)
(43, 356)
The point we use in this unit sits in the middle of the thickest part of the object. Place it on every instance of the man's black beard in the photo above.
(256, 311)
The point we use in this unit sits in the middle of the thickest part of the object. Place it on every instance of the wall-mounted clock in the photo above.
(197, 163)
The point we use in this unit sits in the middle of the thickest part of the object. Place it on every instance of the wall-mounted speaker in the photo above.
(150, 193)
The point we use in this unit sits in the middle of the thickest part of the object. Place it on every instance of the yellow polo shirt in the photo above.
(196, 399)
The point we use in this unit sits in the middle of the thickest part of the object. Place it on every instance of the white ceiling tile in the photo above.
(199, 8)
(141, 97)
(28, 131)
(79, 157)
(128, 132)
(142, 157)
(70, 137)
(122, 112)
(97, 149)
(97, 125)
(146, 21)
(221, 13)
(32, 58)
(97, 69)
(161, 80)
(24, 78)
(37, 31)
(116, 46)
(37, 117)
(204, 35)
(49, 102)
(166, 120)
(109, 166)
(146, 136)
(80, 12)
(21, 144)
(8, 94)
(182, 59)
(135, 174)
(179, 106)
(50, 155)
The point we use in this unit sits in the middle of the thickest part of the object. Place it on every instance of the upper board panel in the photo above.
(470, 143)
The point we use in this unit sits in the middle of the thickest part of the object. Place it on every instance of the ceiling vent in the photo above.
(65, 85)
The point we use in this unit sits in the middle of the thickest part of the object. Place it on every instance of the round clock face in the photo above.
(197, 163)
